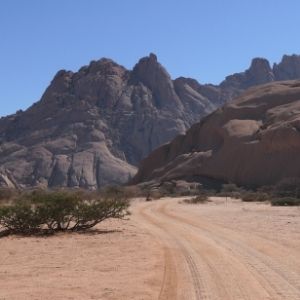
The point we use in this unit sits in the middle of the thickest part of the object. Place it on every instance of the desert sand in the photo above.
(165, 250)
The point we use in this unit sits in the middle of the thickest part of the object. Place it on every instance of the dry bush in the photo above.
(255, 197)
(285, 201)
(287, 187)
(231, 190)
(199, 199)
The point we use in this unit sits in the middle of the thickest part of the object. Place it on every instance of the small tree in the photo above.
(61, 211)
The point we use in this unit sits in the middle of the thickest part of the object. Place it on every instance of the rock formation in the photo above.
(92, 127)
(254, 140)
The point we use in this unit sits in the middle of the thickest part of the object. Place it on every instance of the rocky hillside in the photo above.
(92, 127)
(254, 140)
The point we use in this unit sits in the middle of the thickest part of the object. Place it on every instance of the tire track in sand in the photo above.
(175, 249)
(279, 282)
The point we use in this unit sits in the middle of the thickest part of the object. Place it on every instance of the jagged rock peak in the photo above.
(291, 57)
(149, 71)
(153, 57)
(153, 75)
(103, 66)
(104, 62)
(288, 68)
(260, 63)
(62, 74)
(260, 71)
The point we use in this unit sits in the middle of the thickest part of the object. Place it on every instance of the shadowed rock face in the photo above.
(92, 127)
(255, 140)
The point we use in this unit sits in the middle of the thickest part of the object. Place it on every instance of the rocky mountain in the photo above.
(92, 127)
(254, 141)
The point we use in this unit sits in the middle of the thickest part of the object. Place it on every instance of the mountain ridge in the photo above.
(92, 127)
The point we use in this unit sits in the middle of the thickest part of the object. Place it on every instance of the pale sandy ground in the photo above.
(167, 250)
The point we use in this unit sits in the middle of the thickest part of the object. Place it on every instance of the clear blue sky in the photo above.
(204, 39)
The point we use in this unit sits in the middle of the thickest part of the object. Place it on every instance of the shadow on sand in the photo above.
(43, 233)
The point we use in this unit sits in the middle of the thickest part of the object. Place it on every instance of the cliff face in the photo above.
(255, 140)
(92, 127)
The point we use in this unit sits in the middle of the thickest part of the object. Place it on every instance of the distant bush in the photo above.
(288, 187)
(190, 192)
(154, 193)
(231, 190)
(146, 191)
(285, 201)
(200, 199)
(254, 197)
(41, 211)
(173, 188)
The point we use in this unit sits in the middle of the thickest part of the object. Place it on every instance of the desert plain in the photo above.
(165, 249)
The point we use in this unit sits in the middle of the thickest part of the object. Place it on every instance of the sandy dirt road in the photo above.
(226, 251)
(165, 250)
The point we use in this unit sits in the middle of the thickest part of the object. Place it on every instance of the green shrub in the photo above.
(20, 218)
(61, 210)
(285, 201)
